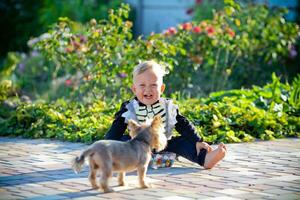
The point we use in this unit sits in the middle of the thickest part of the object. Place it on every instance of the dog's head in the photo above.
(152, 132)
(134, 128)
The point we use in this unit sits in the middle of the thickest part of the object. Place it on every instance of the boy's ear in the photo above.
(162, 88)
(133, 89)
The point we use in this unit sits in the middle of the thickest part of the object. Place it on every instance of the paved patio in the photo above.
(40, 169)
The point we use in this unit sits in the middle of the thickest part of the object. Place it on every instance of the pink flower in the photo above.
(82, 39)
(210, 31)
(172, 31)
(198, 1)
(187, 26)
(68, 82)
(197, 29)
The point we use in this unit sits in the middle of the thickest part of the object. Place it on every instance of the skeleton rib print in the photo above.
(144, 112)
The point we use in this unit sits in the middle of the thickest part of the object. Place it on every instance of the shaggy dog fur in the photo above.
(108, 156)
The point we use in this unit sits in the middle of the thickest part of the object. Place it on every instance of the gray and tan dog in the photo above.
(108, 156)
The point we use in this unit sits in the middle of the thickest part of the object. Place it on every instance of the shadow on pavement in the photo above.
(68, 195)
(63, 174)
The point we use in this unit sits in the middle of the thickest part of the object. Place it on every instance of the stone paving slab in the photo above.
(40, 169)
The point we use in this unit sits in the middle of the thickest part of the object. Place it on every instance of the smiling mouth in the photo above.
(148, 96)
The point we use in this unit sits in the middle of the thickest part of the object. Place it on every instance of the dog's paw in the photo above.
(95, 187)
(122, 184)
(145, 185)
(107, 190)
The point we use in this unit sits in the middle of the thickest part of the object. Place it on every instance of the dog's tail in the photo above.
(78, 162)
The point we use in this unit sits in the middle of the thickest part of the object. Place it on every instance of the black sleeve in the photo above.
(186, 129)
(118, 126)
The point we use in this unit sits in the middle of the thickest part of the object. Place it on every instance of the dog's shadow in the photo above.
(153, 176)
(131, 182)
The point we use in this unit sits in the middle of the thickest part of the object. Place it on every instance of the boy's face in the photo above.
(148, 87)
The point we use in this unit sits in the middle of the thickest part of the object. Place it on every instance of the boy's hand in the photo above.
(203, 145)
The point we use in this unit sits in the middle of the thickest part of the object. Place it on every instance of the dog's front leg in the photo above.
(106, 174)
(121, 179)
(142, 174)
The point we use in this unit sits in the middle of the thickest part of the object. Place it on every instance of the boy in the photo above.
(148, 86)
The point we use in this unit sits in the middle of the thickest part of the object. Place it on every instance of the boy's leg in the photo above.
(186, 149)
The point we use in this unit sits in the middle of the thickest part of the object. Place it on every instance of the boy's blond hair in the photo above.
(144, 66)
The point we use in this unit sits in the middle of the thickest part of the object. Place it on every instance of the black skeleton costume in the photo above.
(133, 109)
(183, 145)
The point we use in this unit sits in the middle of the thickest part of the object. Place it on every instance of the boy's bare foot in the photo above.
(222, 145)
(213, 157)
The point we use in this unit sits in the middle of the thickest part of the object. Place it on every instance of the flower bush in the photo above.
(99, 57)
(239, 40)
(95, 60)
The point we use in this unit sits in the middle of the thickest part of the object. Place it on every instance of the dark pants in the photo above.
(182, 147)
(187, 149)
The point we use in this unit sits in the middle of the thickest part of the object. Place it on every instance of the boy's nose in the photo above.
(147, 89)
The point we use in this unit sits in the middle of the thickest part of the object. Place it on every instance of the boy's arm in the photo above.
(118, 126)
(186, 128)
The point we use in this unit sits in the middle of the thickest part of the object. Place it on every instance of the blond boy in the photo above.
(147, 87)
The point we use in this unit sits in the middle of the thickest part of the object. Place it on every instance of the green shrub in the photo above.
(226, 116)
(242, 115)
(60, 120)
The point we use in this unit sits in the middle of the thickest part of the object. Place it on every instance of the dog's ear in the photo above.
(156, 123)
(133, 126)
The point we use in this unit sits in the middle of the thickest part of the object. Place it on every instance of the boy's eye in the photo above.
(154, 85)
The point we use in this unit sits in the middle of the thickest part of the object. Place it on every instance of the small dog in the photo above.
(108, 156)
